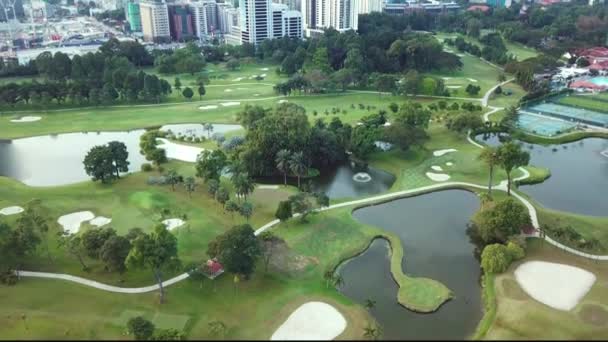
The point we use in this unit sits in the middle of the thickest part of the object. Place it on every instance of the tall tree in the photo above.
(190, 185)
(490, 157)
(33, 218)
(282, 159)
(120, 157)
(99, 164)
(298, 165)
(155, 251)
(237, 249)
(201, 90)
(512, 156)
(114, 252)
(268, 242)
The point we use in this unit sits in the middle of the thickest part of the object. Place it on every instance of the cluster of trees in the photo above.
(144, 330)
(303, 203)
(106, 76)
(496, 229)
(189, 59)
(105, 162)
(148, 147)
(509, 156)
(12, 67)
(18, 242)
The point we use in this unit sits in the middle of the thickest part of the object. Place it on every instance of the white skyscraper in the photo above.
(286, 22)
(227, 16)
(255, 20)
(369, 6)
(342, 15)
(154, 21)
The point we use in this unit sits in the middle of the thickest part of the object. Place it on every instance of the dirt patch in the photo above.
(593, 314)
(512, 290)
(287, 261)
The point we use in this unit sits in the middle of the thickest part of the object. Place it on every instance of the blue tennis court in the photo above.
(543, 125)
(571, 113)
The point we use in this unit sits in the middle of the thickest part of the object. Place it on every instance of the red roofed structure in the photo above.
(213, 268)
(586, 85)
(594, 54)
(599, 65)
(482, 8)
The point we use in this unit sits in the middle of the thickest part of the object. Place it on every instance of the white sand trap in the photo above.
(282, 101)
(207, 107)
(228, 104)
(386, 124)
(71, 222)
(453, 87)
(179, 152)
(448, 50)
(439, 153)
(449, 163)
(312, 321)
(437, 177)
(242, 88)
(267, 187)
(472, 80)
(446, 78)
(256, 94)
(228, 90)
(11, 210)
(27, 119)
(238, 79)
(436, 168)
(173, 223)
(264, 69)
(100, 221)
(460, 55)
(263, 75)
(556, 285)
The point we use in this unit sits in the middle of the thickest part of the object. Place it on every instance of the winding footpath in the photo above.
(364, 201)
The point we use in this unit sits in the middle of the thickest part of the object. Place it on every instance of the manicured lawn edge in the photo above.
(537, 175)
(562, 139)
(488, 296)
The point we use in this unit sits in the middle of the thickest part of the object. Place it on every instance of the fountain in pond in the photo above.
(362, 177)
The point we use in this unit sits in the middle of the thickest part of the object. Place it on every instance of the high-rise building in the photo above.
(180, 22)
(134, 16)
(286, 22)
(255, 20)
(199, 17)
(369, 6)
(155, 21)
(341, 15)
(227, 16)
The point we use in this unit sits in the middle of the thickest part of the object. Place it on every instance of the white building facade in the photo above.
(154, 21)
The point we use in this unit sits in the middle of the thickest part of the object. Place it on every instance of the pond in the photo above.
(579, 175)
(344, 181)
(56, 159)
(432, 230)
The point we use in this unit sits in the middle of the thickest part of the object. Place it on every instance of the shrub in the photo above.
(515, 251)
(146, 167)
(495, 258)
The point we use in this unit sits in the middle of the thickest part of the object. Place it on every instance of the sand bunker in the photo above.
(179, 152)
(227, 90)
(449, 163)
(208, 107)
(556, 285)
(227, 104)
(263, 75)
(256, 94)
(11, 210)
(100, 221)
(439, 153)
(453, 87)
(282, 101)
(436, 168)
(27, 119)
(386, 124)
(267, 187)
(472, 80)
(312, 321)
(173, 223)
(437, 177)
(71, 222)
(264, 69)
(460, 55)
(238, 79)
(446, 78)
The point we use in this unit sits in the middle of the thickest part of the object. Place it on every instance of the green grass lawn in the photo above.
(587, 226)
(520, 317)
(586, 102)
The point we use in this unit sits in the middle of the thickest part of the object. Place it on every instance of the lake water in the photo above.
(579, 175)
(432, 230)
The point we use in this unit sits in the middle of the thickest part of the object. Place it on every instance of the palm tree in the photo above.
(338, 280)
(369, 303)
(328, 276)
(372, 332)
(297, 165)
(172, 178)
(243, 184)
(491, 157)
(282, 160)
(190, 186)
